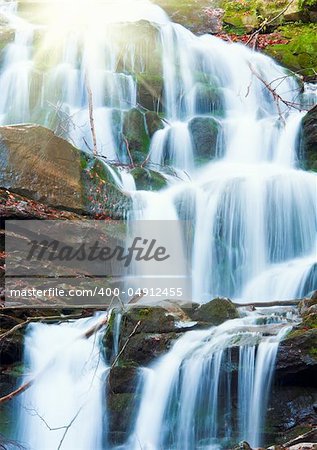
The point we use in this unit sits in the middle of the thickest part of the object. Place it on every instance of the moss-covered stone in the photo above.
(40, 165)
(204, 132)
(149, 180)
(240, 16)
(216, 311)
(308, 146)
(300, 53)
(150, 91)
(153, 122)
(135, 132)
(192, 14)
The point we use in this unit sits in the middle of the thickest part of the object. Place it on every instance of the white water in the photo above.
(252, 207)
(70, 375)
(254, 213)
(188, 394)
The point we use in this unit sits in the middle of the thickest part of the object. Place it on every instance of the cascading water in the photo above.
(232, 143)
(188, 397)
(233, 146)
(69, 373)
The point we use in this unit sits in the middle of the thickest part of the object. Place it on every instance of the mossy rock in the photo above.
(297, 352)
(216, 312)
(153, 122)
(143, 348)
(150, 91)
(143, 37)
(204, 132)
(149, 180)
(135, 132)
(240, 16)
(123, 380)
(152, 320)
(120, 411)
(308, 146)
(191, 14)
(300, 53)
(36, 163)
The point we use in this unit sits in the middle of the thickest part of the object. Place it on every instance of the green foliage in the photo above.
(300, 54)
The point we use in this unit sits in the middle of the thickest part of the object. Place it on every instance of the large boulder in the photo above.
(309, 140)
(40, 165)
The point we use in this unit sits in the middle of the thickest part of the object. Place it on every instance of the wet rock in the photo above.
(242, 446)
(149, 180)
(204, 132)
(309, 140)
(11, 347)
(145, 334)
(150, 91)
(121, 409)
(297, 357)
(153, 122)
(215, 312)
(41, 166)
(123, 380)
(134, 131)
(144, 348)
(152, 320)
(291, 410)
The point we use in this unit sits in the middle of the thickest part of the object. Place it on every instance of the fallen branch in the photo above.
(91, 116)
(128, 149)
(275, 95)
(268, 304)
(306, 437)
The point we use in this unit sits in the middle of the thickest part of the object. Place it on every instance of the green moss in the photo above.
(149, 180)
(310, 4)
(300, 53)
(135, 132)
(240, 16)
(150, 90)
(310, 321)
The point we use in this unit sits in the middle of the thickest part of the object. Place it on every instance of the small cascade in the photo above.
(172, 146)
(70, 373)
(188, 396)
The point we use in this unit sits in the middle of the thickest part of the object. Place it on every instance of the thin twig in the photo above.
(267, 22)
(91, 115)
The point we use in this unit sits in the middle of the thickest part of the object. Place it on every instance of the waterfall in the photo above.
(231, 145)
(68, 390)
(188, 395)
(228, 148)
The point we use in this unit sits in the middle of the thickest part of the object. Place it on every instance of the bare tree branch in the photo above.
(267, 22)
(91, 115)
